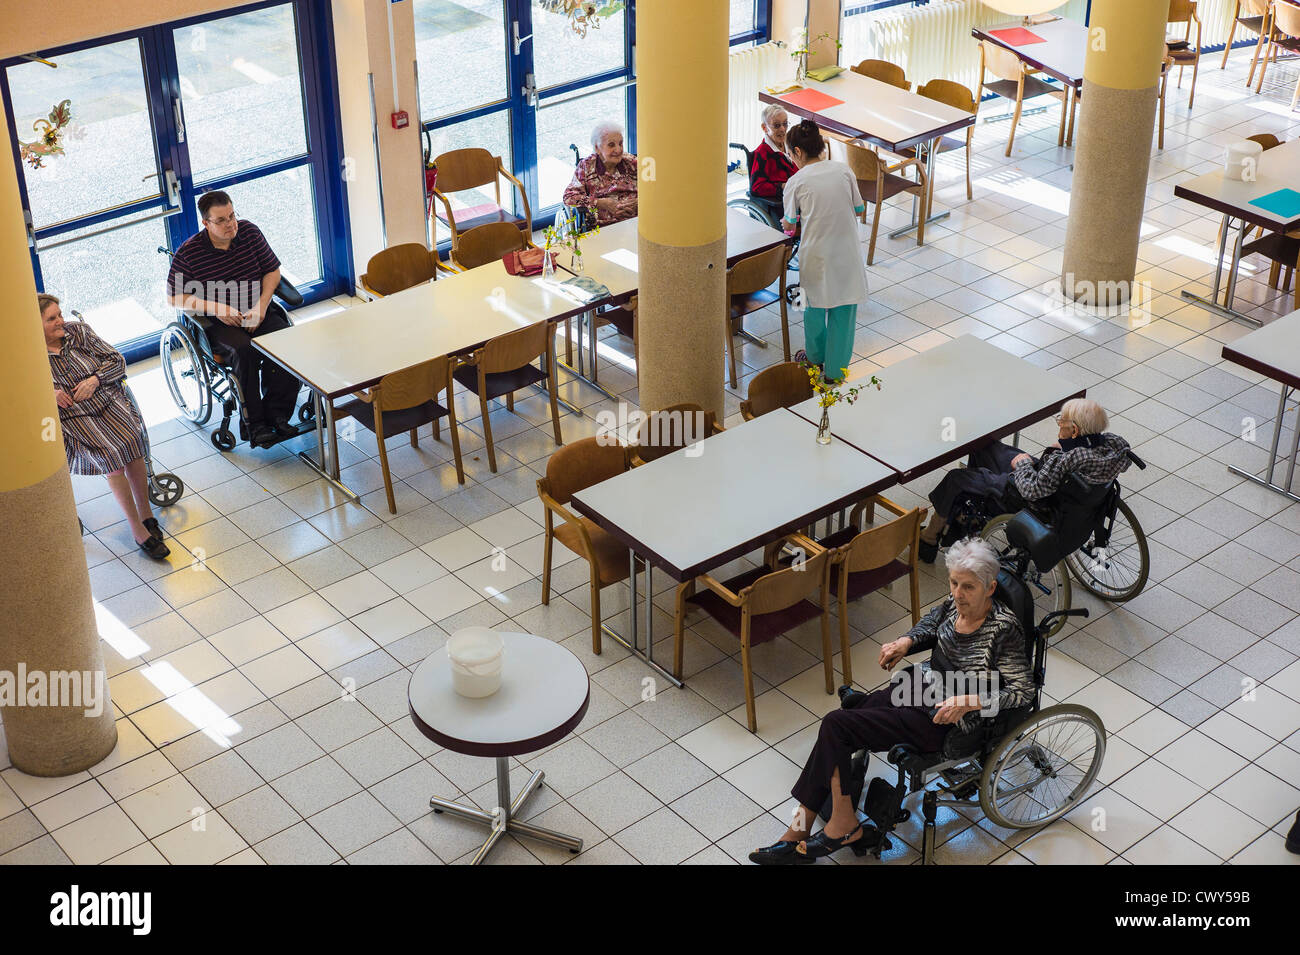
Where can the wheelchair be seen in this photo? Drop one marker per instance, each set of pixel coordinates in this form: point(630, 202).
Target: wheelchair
point(165, 489)
point(1084, 531)
point(766, 211)
point(1025, 768)
point(199, 379)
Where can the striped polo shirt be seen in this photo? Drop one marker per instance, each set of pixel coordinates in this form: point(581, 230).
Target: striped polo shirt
point(230, 276)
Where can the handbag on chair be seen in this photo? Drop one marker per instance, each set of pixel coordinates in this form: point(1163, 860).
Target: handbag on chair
point(526, 261)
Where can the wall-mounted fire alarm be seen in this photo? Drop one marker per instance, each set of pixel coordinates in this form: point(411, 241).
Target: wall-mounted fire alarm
point(401, 120)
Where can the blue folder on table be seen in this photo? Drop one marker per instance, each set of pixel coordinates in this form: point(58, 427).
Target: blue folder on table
point(1285, 203)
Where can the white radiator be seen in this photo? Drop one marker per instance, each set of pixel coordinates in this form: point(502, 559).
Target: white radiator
point(748, 72)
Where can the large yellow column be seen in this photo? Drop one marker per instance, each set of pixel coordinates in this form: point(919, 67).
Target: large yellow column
point(1113, 155)
point(682, 247)
point(47, 617)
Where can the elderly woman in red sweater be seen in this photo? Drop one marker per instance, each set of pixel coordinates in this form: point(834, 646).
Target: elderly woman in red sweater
point(770, 167)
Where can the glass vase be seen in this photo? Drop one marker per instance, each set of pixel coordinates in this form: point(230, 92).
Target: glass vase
point(576, 265)
point(824, 427)
point(801, 69)
point(548, 265)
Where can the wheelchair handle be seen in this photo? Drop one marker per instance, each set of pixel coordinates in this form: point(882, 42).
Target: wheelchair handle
point(1142, 465)
point(1046, 623)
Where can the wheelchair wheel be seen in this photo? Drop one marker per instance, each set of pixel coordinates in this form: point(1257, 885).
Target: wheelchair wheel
point(1050, 588)
point(166, 489)
point(223, 439)
point(186, 373)
point(307, 412)
point(1043, 768)
point(755, 211)
point(1118, 571)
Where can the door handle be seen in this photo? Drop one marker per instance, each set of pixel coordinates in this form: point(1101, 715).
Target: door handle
point(180, 119)
point(516, 38)
point(173, 188)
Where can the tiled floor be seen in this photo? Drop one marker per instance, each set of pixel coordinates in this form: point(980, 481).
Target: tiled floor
point(260, 675)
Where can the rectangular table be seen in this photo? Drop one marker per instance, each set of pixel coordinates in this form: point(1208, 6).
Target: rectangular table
point(1060, 56)
point(1273, 351)
point(882, 115)
point(698, 508)
point(341, 354)
point(1278, 168)
point(943, 403)
point(610, 257)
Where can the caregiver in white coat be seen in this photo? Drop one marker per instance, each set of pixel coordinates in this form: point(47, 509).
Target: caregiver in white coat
point(822, 204)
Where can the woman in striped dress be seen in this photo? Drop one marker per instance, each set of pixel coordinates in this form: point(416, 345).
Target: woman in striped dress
point(102, 434)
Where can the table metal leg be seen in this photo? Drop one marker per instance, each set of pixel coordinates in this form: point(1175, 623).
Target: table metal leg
point(646, 656)
point(1211, 304)
point(556, 363)
point(323, 462)
point(928, 150)
point(587, 318)
point(1267, 480)
point(503, 819)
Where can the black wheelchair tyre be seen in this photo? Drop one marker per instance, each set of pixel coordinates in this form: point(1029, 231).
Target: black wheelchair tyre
point(307, 412)
point(166, 489)
point(1120, 572)
point(754, 210)
point(223, 439)
point(1034, 743)
point(185, 370)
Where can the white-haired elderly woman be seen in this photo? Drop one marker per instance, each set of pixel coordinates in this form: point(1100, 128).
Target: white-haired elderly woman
point(1010, 478)
point(769, 166)
point(974, 641)
point(605, 181)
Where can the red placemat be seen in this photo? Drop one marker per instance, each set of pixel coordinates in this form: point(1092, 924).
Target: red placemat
point(812, 100)
point(1017, 36)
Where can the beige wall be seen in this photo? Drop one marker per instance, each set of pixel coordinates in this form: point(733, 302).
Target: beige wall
point(819, 16)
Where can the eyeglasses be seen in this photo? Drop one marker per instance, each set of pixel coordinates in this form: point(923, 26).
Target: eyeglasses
point(785, 125)
point(224, 221)
point(1061, 420)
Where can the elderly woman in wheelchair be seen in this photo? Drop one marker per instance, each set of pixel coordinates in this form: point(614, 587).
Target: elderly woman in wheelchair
point(983, 639)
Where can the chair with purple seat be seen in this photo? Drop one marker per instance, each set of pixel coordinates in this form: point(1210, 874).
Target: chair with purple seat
point(761, 604)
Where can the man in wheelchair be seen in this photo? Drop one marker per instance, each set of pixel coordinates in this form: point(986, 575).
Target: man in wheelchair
point(973, 639)
point(228, 273)
point(1005, 479)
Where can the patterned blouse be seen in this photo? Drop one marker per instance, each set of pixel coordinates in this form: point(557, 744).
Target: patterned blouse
point(769, 172)
point(591, 181)
point(997, 646)
point(102, 433)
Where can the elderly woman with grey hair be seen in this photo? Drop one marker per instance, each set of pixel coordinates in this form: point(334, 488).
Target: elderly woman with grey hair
point(769, 166)
point(605, 181)
point(975, 641)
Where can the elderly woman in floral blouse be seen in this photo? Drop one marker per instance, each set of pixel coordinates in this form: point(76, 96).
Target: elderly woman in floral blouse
point(102, 432)
point(605, 181)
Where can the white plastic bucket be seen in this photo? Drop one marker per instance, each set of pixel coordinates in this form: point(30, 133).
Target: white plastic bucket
point(476, 655)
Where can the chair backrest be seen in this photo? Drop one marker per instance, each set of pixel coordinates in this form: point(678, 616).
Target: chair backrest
point(779, 386)
point(885, 72)
point(784, 588)
point(669, 429)
point(1286, 18)
point(1001, 62)
point(487, 243)
point(399, 267)
point(414, 386)
point(863, 161)
point(583, 463)
point(516, 349)
point(1013, 593)
point(950, 93)
point(757, 271)
point(877, 546)
point(467, 168)
point(1181, 11)
point(1252, 8)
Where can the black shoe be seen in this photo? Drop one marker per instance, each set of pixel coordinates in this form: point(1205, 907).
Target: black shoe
point(927, 551)
point(285, 428)
point(1292, 837)
point(779, 853)
point(261, 435)
point(154, 548)
point(823, 845)
point(151, 525)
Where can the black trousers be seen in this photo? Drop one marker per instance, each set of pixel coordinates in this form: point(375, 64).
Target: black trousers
point(987, 474)
point(275, 394)
point(875, 724)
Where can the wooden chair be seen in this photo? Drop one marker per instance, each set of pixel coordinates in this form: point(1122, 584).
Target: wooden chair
point(403, 401)
point(1283, 31)
point(760, 605)
point(885, 72)
point(462, 170)
point(670, 429)
point(571, 469)
point(749, 289)
point(1183, 53)
point(878, 181)
point(779, 386)
point(1015, 82)
point(959, 97)
point(487, 243)
point(1165, 69)
point(863, 561)
point(503, 366)
point(399, 267)
point(1250, 15)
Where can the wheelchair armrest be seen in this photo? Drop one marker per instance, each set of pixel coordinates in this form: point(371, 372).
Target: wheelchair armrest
point(286, 293)
point(1142, 465)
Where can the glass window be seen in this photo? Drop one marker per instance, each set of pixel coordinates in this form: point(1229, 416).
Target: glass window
point(572, 122)
point(109, 156)
point(742, 16)
point(561, 56)
point(241, 92)
point(490, 132)
point(283, 206)
point(460, 47)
